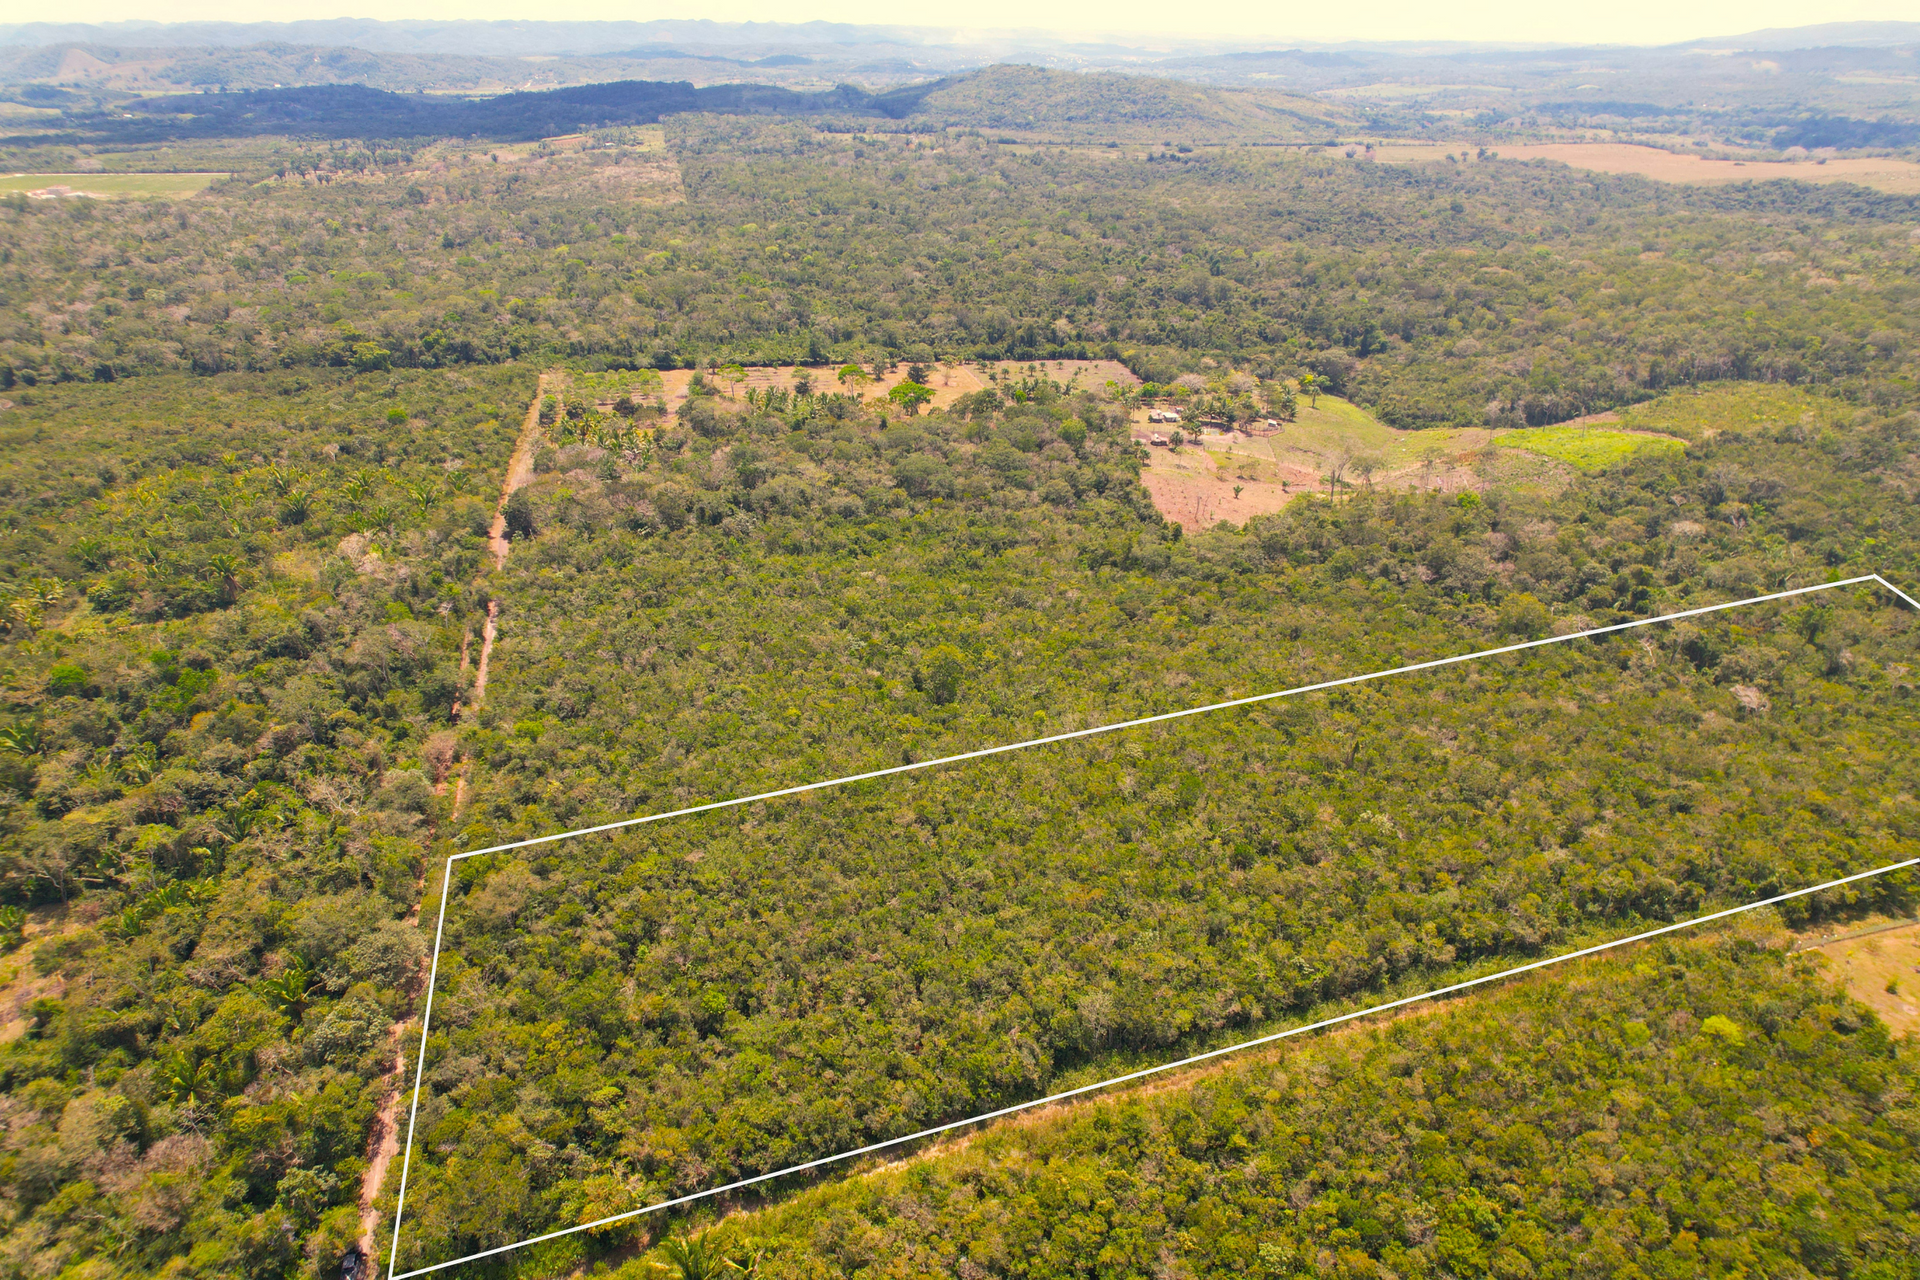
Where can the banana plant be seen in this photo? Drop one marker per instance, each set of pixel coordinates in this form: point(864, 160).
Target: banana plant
point(290, 987)
point(283, 480)
point(188, 1080)
point(139, 767)
point(92, 553)
point(22, 739)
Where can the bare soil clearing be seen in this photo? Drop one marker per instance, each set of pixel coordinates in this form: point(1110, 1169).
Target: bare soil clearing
point(20, 983)
point(1901, 177)
point(947, 382)
point(1881, 970)
point(1194, 485)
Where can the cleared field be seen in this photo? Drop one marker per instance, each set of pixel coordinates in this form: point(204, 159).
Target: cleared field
point(1881, 970)
point(1232, 475)
point(1591, 448)
point(1698, 413)
point(110, 186)
point(948, 381)
point(1901, 177)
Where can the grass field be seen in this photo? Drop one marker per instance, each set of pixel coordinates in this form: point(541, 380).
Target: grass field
point(1587, 447)
point(1696, 413)
point(112, 185)
point(1234, 477)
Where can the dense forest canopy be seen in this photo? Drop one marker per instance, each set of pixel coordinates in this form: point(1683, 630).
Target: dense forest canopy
point(1527, 293)
point(288, 465)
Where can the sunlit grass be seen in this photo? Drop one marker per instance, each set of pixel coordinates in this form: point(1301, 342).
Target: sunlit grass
point(1589, 448)
point(118, 185)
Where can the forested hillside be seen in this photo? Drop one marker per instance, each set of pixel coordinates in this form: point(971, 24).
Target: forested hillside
point(253, 442)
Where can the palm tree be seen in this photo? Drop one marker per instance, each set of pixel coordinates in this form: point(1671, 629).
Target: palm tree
point(290, 988)
point(696, 1257)
point(423, 493)
point(187, 1079)
point(297, 507)
point(21, 739)
point(227, 569)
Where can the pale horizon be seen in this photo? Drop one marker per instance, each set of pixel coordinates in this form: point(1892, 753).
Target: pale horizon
point(1638, 23)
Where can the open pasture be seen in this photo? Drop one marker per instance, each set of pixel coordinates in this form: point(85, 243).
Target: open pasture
point(110, 186)
point(1234, 476)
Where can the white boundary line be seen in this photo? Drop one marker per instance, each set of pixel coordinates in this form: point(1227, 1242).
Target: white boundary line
point(447, 885)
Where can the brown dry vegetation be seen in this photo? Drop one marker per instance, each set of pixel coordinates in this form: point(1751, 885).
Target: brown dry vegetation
point(1901, 177)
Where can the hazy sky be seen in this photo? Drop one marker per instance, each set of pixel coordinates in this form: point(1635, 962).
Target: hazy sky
point(1621, 21)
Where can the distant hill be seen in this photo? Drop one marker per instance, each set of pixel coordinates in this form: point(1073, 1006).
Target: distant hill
point(353, 111)
point(1111, 106)
point(1824, 35)
point(1024, 100)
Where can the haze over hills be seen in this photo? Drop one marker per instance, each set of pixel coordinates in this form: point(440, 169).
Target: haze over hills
point(1838, 85)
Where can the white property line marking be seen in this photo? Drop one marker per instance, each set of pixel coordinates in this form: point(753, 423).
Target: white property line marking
point(446, 887)
point(1170, 1066)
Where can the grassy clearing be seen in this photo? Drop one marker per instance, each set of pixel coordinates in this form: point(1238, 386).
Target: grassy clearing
point(113, 185)
point(1335, 427)
point(1588, 448)
point(1697, 413)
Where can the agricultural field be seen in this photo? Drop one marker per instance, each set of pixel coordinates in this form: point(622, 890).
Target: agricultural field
point(110, 186)
point(1882, 173)
point(409, 497)
point(1590, 446)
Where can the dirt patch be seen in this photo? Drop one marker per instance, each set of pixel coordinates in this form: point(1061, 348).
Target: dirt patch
point(1898, 176)
point(20, 983)
point(948, 382)
point(1195, 484)
point(1200, 487)
point(519, 472)
point(1881, 968)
